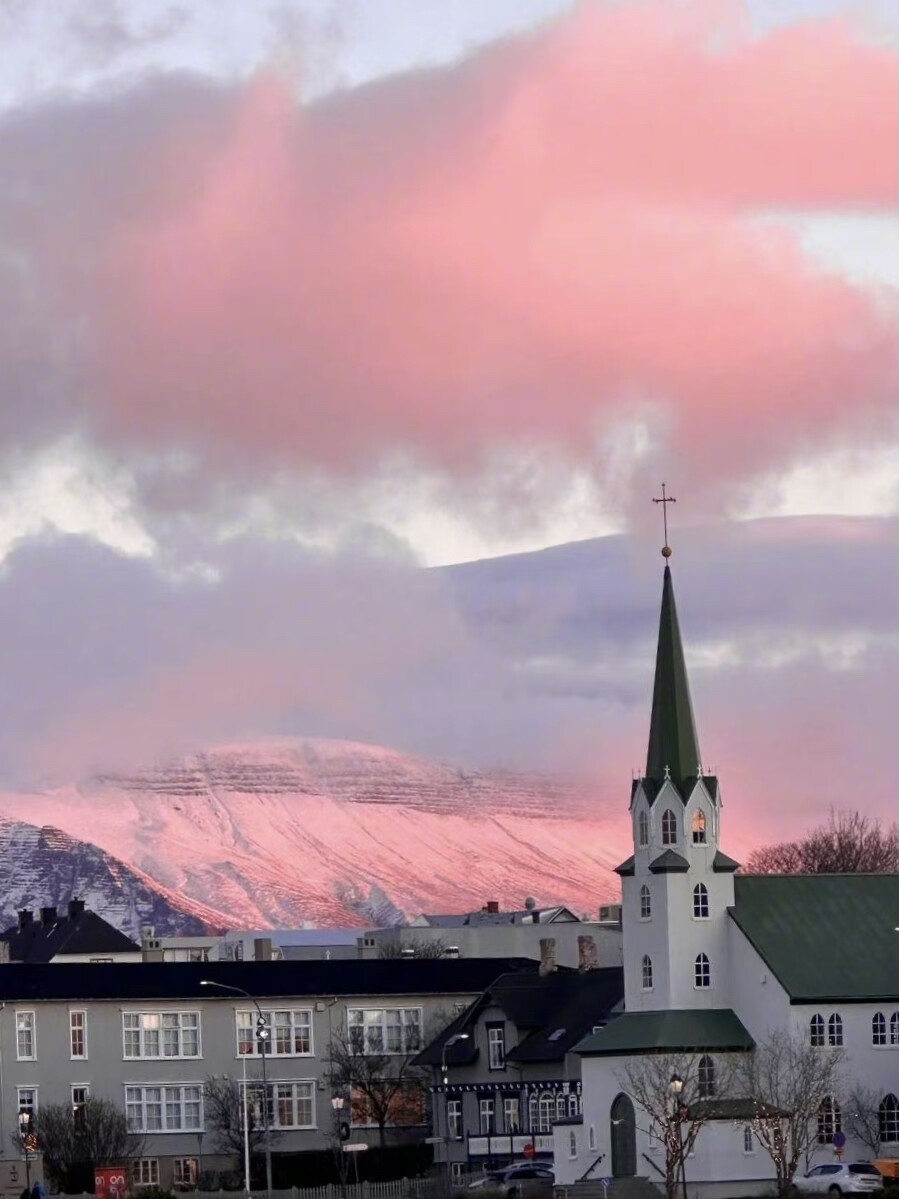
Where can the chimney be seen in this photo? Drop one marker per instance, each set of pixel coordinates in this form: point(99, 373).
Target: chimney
point(492, 907)
point(26, 918)
point(586, 954)
point(4, 952)
point(48, 915)
point(547, 955)
point(76, 907)
point(262, 949)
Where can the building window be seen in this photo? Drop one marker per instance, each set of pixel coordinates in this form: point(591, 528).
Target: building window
point(454, 1119)
point(496, 1046)
point(185, 955)
point(185, 1171)
point(705, 1076)
point(572, 1143)
point(888, 1119)
point(164, 1109)
point(835, 1030)
point(546, 1112)
point(829, 1120)
point(699, 827)
point(289, 1033)
point(26, 1050)
point(145, 1172)
point(816, 1031)
point(561, 1106)
point(894, 1028)
point(511, 1113)
point(486, 1112)
point(161, 1034)
point(574, 1104)
point(80, 1095)
point(457, 1170)
point(642, 829)
point(878, 1029)
point(591, 1138)
point(669, 828)
point(748, 1139)
point(646, 972)
point(700, 902)
point(26, 1100)
point(78, 1034)
point(293, 1104)
point(645, 903)
point(385, 1030)
point(702, 972)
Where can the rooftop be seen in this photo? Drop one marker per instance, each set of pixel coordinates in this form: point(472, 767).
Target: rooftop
point(687, 1031)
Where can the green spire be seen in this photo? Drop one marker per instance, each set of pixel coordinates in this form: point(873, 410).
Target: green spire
point(672, 729)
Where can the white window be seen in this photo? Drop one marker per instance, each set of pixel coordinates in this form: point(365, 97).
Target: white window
point(705, 1076)
point(830, 1121)
point(185, 955)
point(546, 1112)
point(26, 1100)
point(888, 1119)
point(698, 827)
point(702, 972)
point(748, 1139)
point(642, 829)
point(700, 902)
point(646, 972)
point(177, 1108)
point(385, 1030)
point(496, 1047)
point(293, 1104)
point(591, 1138)
point(457, 1171)
point(486, 1110)
point(894, 1028)
point(145, 1172)
point(161, 1034)
point(511, 1113)
point(561, 1106)
point(454, 1119)
point(80, 1096)
point(669, 828)
point(572, 1144)
point(289, 1033)
point(26, 1047)
point(185, 1171)
point(645, 903)
point(78, 1034)
point(574, 1103)
point(878, 1029)
point(816, 1031)
point(835, 1030)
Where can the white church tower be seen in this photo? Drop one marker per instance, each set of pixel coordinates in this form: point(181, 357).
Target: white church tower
point(677, 885)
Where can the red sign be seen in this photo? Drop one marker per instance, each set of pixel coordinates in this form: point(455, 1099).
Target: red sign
point(529, 1150)
point(110, 1182)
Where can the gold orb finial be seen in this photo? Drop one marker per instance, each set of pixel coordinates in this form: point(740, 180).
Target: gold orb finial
point(666, 551)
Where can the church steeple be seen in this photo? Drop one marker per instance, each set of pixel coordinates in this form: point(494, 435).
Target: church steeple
point(673, 746)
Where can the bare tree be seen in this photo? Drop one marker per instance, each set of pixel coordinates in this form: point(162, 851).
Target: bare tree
point(849, 843)
point(677, 1093)
point(412, 947)
point(224, 1107)
point(94, 1133)
point(383, 1088)
point(787, 1081)
point(862, 1111)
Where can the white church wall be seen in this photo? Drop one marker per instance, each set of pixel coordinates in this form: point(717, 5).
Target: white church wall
point(755, 994)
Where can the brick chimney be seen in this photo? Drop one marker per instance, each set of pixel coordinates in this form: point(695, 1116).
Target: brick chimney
point(76, 908)
point(547, 955)
point(492, 907)
point(48, 915)
point(587, 958)
point(26, 918)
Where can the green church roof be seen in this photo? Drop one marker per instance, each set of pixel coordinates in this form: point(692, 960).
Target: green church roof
point(825, 937)
point(673, 746)
point(687, 1030)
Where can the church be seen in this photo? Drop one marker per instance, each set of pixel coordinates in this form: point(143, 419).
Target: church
point(715, 963)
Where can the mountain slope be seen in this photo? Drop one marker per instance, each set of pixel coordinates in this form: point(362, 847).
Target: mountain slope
point(339, 833)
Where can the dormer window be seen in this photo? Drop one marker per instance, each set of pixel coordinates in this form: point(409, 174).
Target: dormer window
point(643, 829)
point(699, 827)
point(669, 828)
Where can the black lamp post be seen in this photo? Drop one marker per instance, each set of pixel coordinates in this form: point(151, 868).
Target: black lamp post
point(676, 1085)
point(444, 1078)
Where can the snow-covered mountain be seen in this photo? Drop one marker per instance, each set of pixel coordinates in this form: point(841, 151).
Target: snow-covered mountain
point(323, 831)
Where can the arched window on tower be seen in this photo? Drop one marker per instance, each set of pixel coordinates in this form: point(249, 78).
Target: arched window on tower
point(888, 1119)
point(830, 1120)
point(705, 1076)
point(702, 972)
point(816, 1031)
point(643, 829)
point(646, 972)
point(700, 902)
point(894, 1028)
point(878, 1029)
point(699, 827)
point(646, 911)
point(669, 828)
point(835, 1030)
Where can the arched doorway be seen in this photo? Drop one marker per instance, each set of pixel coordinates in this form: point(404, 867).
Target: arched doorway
point(624, 1138)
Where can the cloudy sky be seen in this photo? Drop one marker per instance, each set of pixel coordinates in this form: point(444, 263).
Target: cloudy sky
point(300, 298)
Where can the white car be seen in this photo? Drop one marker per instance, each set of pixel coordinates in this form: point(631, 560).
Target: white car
point(838, 1178)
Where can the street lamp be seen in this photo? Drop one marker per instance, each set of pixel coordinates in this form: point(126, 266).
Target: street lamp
point(25, 1135)
point(261, 1037)
point(676, 1085)
point(457, 1036)
point(337, 1102)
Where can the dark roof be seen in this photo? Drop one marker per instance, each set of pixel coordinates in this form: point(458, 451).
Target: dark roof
point(181, 980)
point(673, 745)
point(550, 1011)
point(84, 931)
point(626, 867)
point(669, 862)
point(825, 937)
point(660, 1032)
point(483, 917)
point(722, 864)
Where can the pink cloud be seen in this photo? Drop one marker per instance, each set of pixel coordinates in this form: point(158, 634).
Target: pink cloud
point(516, 247)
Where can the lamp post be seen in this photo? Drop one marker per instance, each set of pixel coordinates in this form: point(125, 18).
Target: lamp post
point(337, 1102)
point(261, 1037)
point(457, 1036)
point(676, 1085)
point(25, 1135)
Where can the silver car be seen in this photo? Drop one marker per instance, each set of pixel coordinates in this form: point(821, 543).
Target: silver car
point(839, 1178)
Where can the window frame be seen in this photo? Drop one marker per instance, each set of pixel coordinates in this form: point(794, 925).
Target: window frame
point(294, 1099)
point(248, 1043)
point(73, 1030)
point(835, 1038)
point(817, 1031)
point(642, 829)
point(511, 1113)
point(748, 1140)
point(487, 1115)
point(879, 1030)
point(829, 1120)
point(646, 973)
point(496, 1045)
point(699, 827)
point(161, 1030)
point(702, 972)
point(645, 902)
point(572, 1144)
point(137, 1179)
point(546, 1112)
point(29, 1016)
point(706, 1077)
point(669, 828)
point(894, 1028)
point(193, 1172)
point(163, 1103)
point(454, 1124)
point(407, 1046)
point(31, 1105)
point(888, 1119)
point(700, 902)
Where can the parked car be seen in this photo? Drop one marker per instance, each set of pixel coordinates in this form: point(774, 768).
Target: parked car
point(838, 1178)
point(521, 1180)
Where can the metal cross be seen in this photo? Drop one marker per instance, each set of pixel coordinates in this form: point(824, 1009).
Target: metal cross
point(665, 501)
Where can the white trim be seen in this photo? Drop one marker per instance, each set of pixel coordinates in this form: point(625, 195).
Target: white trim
point(29, 1057)
point(78, 1057)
